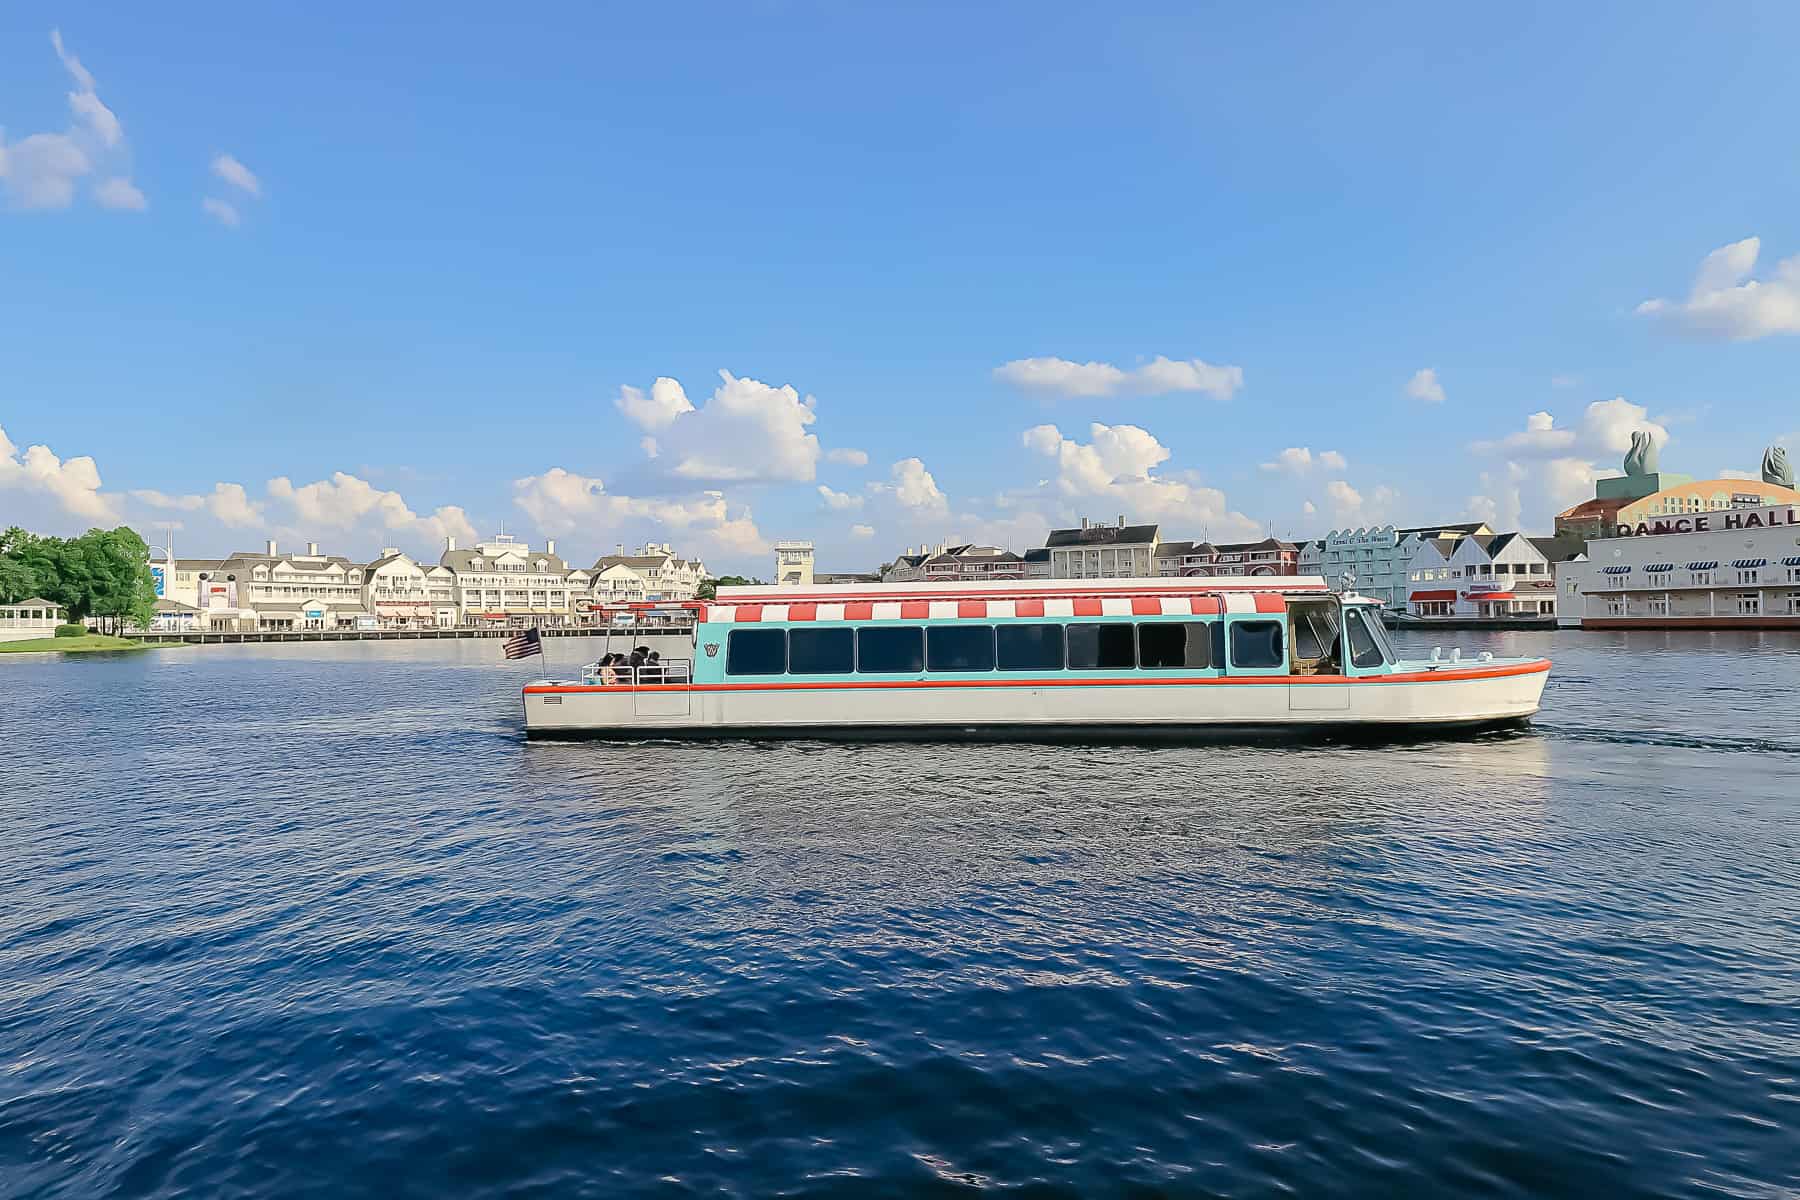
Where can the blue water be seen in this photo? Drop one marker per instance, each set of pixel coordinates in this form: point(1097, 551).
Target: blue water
point(315, 921)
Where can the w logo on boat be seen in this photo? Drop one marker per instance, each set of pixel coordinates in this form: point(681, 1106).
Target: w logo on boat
point(712, 649)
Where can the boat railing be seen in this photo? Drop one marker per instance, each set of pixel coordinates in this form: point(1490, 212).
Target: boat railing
point(677, 672)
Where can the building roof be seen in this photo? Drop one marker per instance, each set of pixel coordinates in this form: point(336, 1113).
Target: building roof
point(1498, 542)
point(1593, 508)
point(174, 606)
point(1041, 554)
point(1444, 546)
point(385, 559)
point(961, 552)
point(1468, 527)
point(1102, 535)
point(459, 560)
point(1561, 548)
point(633, 561)
point(1268, 543)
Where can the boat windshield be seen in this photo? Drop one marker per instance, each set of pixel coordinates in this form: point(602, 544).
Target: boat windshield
point(1368, 640)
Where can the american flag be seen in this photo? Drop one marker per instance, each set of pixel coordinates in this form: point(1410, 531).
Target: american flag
point(525, 645)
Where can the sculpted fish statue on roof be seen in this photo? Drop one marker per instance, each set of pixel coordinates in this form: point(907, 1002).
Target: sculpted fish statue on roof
point(1641, 458)
point(1775, 467)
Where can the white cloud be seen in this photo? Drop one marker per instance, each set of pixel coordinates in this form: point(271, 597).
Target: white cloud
point(839, 500)
point(1117, 469)
point(1298, 460)
point(648, 445)
point(1061, 377)
point(224, 213)
point(42, 171)
point(862, 531)
point(1725, 302)
point(913, 488)
point(120, 193)
point(1606, 428)
point(345, 501)
point(1734, 473)
point(74, 484)
point(848, 457)
point(747, 430)
point(1424, 386)
point(1309, 508)
point(561, 501)
point(236, 174)
point(1352, 507)
point(228, 503)
point(659, 409)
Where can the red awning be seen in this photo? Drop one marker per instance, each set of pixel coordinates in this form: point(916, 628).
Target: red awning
point(1449, 595)
point(1479, 597)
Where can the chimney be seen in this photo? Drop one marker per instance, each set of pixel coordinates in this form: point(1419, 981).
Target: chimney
point(1121, 520)
point(549, 545)
point(1084, 522)
point(619, 549)
point(389, 551)
point(271, 548)
point(312, 549)
point(449, 543)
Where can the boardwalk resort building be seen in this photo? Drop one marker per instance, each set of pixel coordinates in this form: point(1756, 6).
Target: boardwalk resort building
point(1715, 569)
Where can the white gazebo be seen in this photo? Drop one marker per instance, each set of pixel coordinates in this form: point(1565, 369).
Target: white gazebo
point(29, 620)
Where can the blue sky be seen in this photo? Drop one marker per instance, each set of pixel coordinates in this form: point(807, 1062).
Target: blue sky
point(367, 280)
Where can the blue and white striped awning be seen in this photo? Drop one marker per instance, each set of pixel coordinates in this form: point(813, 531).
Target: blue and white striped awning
point(1745, 564)
point(1791, 562)
point(1703, 566)
point(1659, 568)
point(1615, 570)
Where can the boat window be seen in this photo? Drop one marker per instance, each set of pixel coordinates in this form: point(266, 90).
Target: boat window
point(959, 648)
point(756, 652)
point(1097, 647)
point(1163, 645)
point(1257, 644)
point(896, 650)
point(1365, 650)
point(821, 651)
point(1030, 647)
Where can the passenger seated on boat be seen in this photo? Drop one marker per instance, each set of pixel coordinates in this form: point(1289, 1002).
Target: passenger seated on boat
point(609, 670)
point(651, 671)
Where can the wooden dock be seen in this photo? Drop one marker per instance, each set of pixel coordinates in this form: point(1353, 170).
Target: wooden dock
point(624, 635)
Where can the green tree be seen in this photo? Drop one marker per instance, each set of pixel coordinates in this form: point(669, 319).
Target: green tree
point(709, 588)
point(18, 576)
point(110, 568)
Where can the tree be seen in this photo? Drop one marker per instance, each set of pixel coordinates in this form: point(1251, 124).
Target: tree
point(111, 569)
point(709, 588)
point(18, 576)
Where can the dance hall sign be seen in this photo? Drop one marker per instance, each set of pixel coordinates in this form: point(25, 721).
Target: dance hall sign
point(1717, 521)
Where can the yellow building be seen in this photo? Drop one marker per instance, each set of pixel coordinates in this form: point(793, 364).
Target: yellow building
point(1707, 495)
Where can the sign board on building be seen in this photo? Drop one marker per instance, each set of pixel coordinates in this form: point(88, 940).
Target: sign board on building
point(1713, 522)
point(159, 580)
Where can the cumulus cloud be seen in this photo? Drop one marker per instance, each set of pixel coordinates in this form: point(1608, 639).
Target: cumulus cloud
point(1424, 386)
point(1298, 460)
point(1160, 376)
point(345, 501)
point(839, 500)
point(848, 457)
point(862, 531)
point(236, 174)
point(562, 501)
point(225, 214)
point(1352, 507)
point(747, 431)
point(1117, 468)
point(1725, 302)
point(44, 170)
point(913, 488)
point(657, 410)
point(72, 484)
point(228, 503)
point(1550, 467)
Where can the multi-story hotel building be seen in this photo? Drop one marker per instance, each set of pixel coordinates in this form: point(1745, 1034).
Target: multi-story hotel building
point(504, 581)
point(1717, 569)
point(1376, 561)
point(948, 563)
point(267, 591)
point(1103, 551)
point(403, 593)
point(655, 573)
point(1483, 576)
point(1271, 556)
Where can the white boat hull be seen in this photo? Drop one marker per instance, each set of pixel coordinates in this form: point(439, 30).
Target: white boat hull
point(1445, 696)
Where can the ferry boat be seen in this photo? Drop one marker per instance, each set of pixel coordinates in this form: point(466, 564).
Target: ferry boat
point(1117, 657)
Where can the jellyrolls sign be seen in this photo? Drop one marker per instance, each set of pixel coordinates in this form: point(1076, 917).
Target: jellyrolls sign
point(159, 580)
point(1725, 521)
